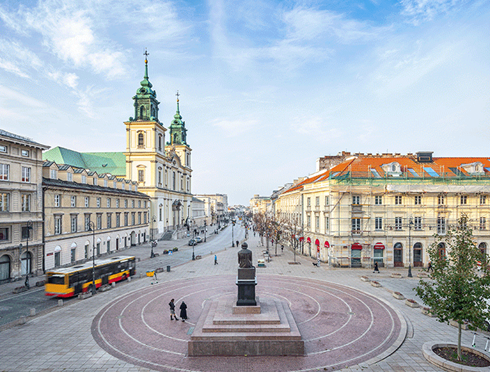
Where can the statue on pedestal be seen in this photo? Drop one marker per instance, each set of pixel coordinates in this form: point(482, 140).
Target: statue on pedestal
point(246, 280)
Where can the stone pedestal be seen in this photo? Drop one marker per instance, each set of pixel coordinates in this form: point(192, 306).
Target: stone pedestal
point(246, 282)
point(268, 328)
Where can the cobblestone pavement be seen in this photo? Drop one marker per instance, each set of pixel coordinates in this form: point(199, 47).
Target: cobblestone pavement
point(62, 340)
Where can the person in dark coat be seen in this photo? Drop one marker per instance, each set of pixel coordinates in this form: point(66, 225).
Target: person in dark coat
point(183, 311)
point(376, 269)
point(171, 304)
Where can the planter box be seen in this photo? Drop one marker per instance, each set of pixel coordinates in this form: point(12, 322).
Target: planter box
point(365, 279)
point(396, 275)
point(455, 324)
point(411, 304)
point(375, 284)
point(426, 311)
point(398, 296)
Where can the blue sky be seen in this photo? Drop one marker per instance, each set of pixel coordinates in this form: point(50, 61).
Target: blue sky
point(266, 87)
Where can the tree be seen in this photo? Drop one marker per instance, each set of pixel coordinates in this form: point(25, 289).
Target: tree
point(460, 287)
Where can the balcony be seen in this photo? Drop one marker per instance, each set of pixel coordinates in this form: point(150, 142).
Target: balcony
point(356, 232)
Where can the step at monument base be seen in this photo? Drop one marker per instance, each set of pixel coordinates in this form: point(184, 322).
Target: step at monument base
point(270, 331)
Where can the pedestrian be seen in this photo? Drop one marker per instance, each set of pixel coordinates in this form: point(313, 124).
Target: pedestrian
point(215, 259)
point(171, 304)
point(183, 311)
point(376, 268)
point(282, 248)
point(237, 243)
point(429, 267)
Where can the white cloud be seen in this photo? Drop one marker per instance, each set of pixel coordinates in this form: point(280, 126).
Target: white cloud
point(18, 59)
point(315, 127)
point(426, 10)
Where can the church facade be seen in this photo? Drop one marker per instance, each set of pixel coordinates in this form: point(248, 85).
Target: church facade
point(157, 158)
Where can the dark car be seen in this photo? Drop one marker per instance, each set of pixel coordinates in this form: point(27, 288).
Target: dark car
point(192, 242)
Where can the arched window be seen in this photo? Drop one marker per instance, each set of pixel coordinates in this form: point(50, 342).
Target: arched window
point(4, 267)
point(141, 140)
point(152, 111)
point(398, 255)
point(159, 142)
point(25, 259)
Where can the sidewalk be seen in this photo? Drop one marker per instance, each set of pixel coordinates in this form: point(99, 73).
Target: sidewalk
point(141, 252)
point(69, 344)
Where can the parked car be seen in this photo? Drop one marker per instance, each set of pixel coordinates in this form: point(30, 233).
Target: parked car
point(192, 242)
point(198, 239)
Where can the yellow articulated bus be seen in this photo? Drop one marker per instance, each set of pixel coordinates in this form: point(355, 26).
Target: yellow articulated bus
point(70, 281)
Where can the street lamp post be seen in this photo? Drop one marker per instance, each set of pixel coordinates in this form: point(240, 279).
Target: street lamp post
point(205, 230)
point(28, 262)
point(232, 233)
point(410, 223)
point(91, 227)
point(152, 243)
point(193, 245)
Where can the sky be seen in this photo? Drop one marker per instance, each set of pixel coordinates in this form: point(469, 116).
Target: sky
point(266, 87)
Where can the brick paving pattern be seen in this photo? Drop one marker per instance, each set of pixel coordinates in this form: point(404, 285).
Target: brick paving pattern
point(62, 340)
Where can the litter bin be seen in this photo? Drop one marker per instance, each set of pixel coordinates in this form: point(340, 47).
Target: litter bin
point(150, 273)
point(168, 268)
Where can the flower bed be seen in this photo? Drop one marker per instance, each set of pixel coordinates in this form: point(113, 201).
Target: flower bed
point(398, 296)
point(426, 311)
point(411, 303)
point(374, 283)
point(365, 278)
point(396, 275)
point(442, 355)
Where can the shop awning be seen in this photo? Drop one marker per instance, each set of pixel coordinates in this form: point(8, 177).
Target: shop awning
point(308, 240)
point(379, 246)
point(356, 246)
point(317, 242)
point(301, 239)
point(327, 245)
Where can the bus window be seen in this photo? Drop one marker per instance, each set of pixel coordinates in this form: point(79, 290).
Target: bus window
point(56, 279)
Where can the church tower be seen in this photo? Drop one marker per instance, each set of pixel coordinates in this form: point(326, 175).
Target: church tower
point(163, 172)
point(178, 138)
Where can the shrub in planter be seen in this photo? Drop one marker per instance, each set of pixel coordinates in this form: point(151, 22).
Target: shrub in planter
point(374, 283)
point(365, 278)
point(175, 249)
point(165, 251)
point(398, 296)
point(411, 303)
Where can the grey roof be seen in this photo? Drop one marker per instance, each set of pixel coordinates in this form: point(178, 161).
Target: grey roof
point(21, 138)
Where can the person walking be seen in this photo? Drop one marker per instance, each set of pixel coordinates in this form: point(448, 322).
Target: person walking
point(429, 267)
point(282, 248)
point(376, 268)
point(215, 259)
point(183, 311)
point(237, 243)
point(171, 304)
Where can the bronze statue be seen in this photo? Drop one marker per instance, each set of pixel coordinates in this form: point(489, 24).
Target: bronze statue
point(245, 256)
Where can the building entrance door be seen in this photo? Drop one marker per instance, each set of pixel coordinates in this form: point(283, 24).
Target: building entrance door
point(398, 255)
point(417, 255)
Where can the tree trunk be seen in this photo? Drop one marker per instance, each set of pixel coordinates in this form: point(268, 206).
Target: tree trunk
point(459, 341)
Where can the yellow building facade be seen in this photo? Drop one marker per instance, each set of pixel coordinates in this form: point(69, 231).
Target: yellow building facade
point(387, 208)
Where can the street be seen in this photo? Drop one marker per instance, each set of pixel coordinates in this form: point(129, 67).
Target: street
point(14, 306)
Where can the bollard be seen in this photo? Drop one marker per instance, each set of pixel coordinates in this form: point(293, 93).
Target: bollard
point(33, 311)
point(129, 278)
point(168, 268)
point(486, 345)
point(113, 284)
point(60, 302)
point(22, 320)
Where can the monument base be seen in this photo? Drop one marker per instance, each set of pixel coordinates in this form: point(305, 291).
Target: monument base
point(246, 282)
point(227, 330)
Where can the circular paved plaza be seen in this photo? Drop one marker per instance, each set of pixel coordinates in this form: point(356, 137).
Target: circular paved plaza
point(341, 326)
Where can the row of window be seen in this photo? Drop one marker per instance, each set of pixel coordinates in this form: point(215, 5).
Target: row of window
point(53, 174)
point(378, 200)
point(5, 202)
point(5, 149)
point(5, 173)
point(416, 224)
point(58, 221)
point(141, 178)
point(73, 202)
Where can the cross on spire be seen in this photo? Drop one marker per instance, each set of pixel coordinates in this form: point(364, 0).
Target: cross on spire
point(177, 94)
point(146, 54)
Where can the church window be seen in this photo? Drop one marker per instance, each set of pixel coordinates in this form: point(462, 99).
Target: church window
point(173, 181)
point(159, 142)
point(141, 175)
point(153, 111)
point(141, 140)
point(159, 176)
